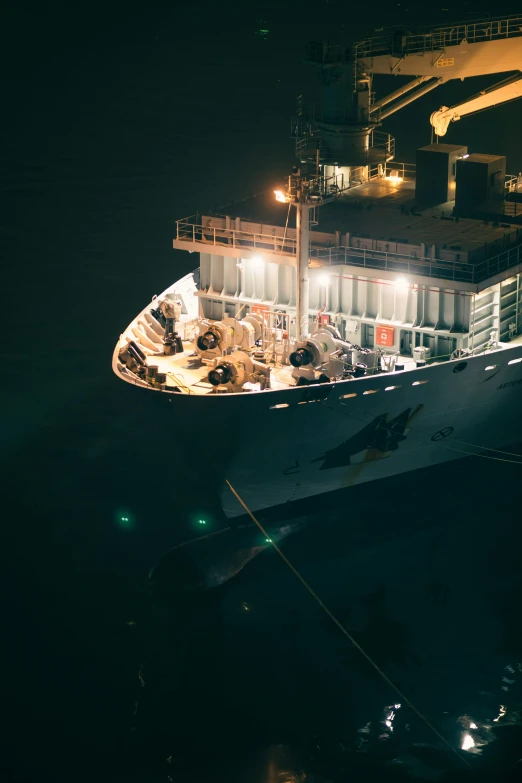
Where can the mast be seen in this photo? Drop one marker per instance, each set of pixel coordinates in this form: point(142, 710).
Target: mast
point(306, 193)
point(302, 260)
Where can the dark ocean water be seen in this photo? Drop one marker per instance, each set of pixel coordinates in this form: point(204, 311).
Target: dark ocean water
point(119, 121)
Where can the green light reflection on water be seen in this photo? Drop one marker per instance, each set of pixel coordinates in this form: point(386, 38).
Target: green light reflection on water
point(124, 520)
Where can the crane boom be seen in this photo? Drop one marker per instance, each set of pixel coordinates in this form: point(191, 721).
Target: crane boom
point(499, 93)
point(459, 61)
point(443, 54)
point(345, 134)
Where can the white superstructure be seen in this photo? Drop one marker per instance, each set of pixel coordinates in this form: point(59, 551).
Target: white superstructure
point(347, 331)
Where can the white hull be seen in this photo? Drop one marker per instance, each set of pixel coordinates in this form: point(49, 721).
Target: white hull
point(288, 444)
point(398, 274)
point(318, 447)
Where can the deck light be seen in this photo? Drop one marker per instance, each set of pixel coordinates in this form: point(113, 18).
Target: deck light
point(467, 742)
point(394, 178)
point(280, 196)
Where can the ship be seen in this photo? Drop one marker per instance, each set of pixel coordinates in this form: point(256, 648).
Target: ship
point(363, 318)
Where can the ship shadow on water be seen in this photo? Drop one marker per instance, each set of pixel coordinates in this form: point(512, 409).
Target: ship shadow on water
point(246, 643)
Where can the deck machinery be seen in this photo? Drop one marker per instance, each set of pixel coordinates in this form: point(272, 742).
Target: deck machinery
point(363, 300)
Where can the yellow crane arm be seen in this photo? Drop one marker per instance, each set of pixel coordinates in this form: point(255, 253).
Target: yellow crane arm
point(506, 90)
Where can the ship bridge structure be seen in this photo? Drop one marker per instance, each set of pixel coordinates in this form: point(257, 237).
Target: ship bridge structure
point(433, 281)
point(396, 256)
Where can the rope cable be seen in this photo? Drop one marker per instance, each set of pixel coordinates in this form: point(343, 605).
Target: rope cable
point(325, 608)
point(436, 443)
point(341, 627)
point(286, 225)
point(474, 454)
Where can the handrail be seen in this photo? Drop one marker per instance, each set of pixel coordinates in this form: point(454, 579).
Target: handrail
point(381, 140)
point(401, 42)
point(370, 258)
point(428, 267)
point(380, 171)
point(395, 262)
point(215, 235)
point(308, 134)
point(513, 183)
point(439, 37)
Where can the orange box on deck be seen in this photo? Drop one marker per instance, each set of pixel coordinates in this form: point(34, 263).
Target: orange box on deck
point(385, 336)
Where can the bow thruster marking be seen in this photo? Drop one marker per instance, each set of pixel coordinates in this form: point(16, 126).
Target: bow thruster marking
point(442, 434)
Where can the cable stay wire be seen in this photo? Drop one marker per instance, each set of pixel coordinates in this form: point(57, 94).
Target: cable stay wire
point(436, 443)
point(474, 454)
point(473, 445)
point(342, 628)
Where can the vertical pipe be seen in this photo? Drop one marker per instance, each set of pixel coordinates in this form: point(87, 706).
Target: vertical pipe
point(517, 304)
point(473, 326)
point(302, 260)
point(498, 299)
point(298, 304)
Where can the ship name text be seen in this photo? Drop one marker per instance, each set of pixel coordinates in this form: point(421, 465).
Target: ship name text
point(509, 383)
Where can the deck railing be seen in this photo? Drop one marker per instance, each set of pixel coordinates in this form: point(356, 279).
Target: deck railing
point(428, 267)
point(381, 145)
point(231, 237)
point(392, 169)
point(401, 43)
point(513, 183)
point(370, 258)
point(473, 32)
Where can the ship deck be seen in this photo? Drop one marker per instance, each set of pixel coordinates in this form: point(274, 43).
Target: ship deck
point(381, 209)
point(374, 224)
point(385, 210)
point(187, 374)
